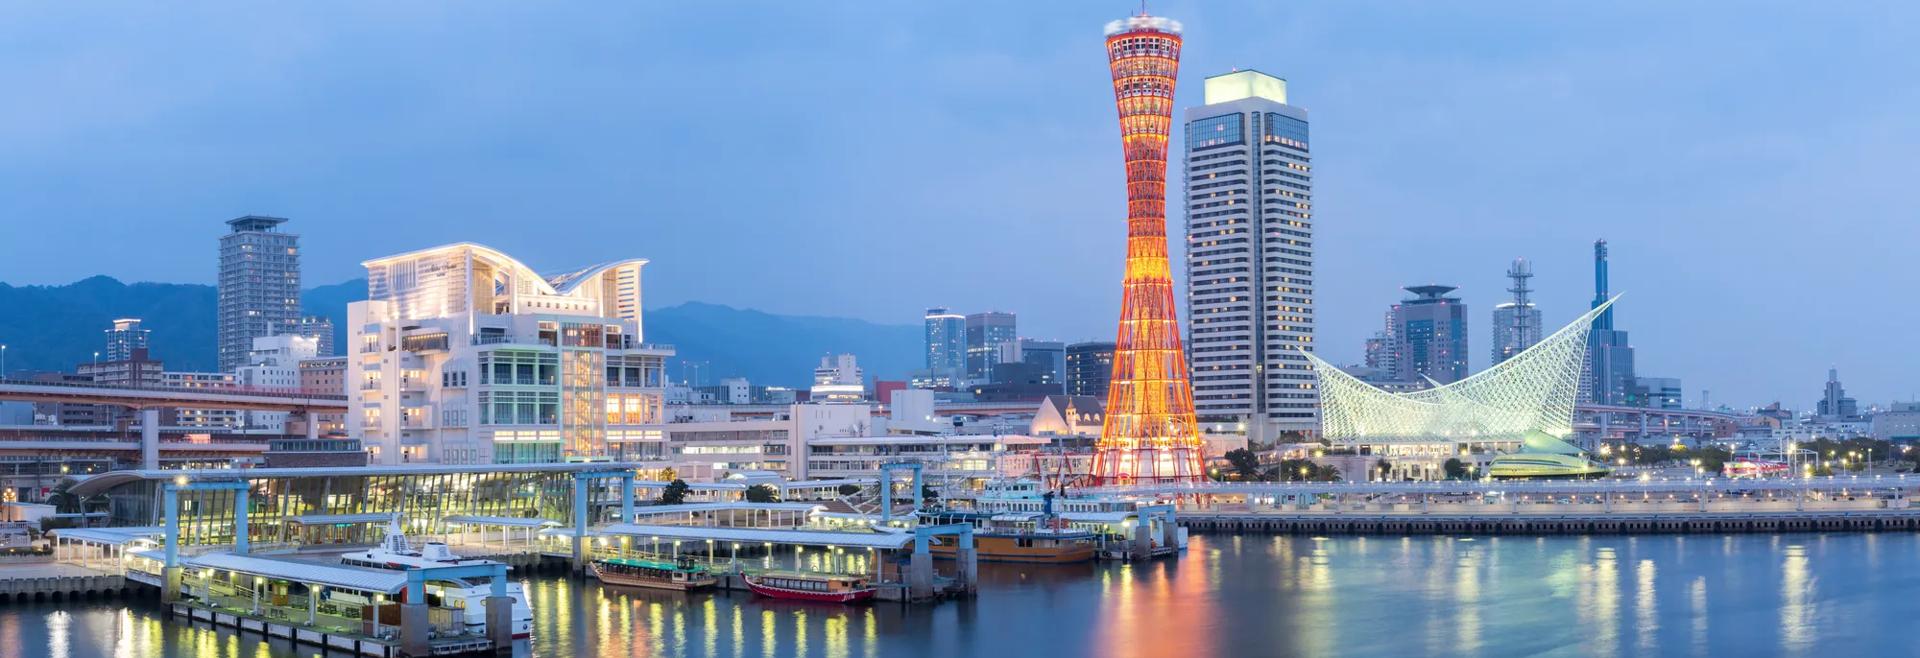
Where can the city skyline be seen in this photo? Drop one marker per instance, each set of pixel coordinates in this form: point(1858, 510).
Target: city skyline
point(1525, 105)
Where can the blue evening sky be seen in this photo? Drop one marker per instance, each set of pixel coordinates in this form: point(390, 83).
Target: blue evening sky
point(1750, 163)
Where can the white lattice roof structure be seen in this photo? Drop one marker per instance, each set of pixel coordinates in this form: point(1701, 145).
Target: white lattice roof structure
point(1533, 391)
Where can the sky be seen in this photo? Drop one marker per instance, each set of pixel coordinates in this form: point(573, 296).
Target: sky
point(1749, 163)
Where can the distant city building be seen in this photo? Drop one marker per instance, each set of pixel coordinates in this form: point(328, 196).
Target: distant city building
point(1049, 355)
point(1430, 336)
point(464, 355)
point(125, 337)
point(989, 336)
point(1834, 403)
point(1609, 377)
point(327, 375)
point(946, 345)
point(1089, 369)
point(839, 379)
point(1656, 393)
point(1249, 201)
point(259, 287)
point(202, 418)
point(320, 330)
point(1516, 324)
point(273, 365)
point(135, 370)
point(1899, 423)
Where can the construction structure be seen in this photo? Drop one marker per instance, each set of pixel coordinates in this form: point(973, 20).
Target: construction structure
point(1150, 435)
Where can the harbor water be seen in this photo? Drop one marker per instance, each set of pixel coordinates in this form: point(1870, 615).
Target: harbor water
point(1228, 596)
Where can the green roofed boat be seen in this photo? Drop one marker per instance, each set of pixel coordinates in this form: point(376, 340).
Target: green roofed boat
point(682, 575)
point(1543, 457)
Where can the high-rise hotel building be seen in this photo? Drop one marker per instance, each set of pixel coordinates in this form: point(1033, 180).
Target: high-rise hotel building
point(464, 355)
point(1249, 196)
point(259, 286)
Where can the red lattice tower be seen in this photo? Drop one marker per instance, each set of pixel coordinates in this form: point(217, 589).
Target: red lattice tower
point(1150, 435)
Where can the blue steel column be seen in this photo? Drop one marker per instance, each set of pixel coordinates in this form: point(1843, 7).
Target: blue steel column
point(626, 497)
point(579, 519)
point(170, 501)
point(240, 519)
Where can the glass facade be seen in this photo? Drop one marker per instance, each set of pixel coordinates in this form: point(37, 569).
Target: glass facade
point(422, 500)
point(1216, 131)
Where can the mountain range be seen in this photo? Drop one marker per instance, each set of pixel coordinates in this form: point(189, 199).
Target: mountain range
point(59, 327)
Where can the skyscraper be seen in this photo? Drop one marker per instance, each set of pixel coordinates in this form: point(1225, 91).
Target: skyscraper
point(1089, 368)
point(946, 335)
point(1431, 336)
point(1249, 197)
point(125, 337)
point(1049, 355)
point(1150, 434)
point(320, 329)
point(259, 285)
point(1609, 372)
point(1834, 403)
point(1516, 324)
point(990, 336)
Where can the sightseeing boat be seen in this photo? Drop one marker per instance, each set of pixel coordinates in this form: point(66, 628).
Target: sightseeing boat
point(1013, 537)
point(468, 594)
point(654, 574)
point(809, 587)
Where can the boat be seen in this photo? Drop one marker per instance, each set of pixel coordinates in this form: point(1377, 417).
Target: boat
point(1015, 537)
point(396, 553)
point(810, 587)
point(681, 575)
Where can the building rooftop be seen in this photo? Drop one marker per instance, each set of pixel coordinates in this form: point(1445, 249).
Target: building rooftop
point(1228, 87)
point(255, 223)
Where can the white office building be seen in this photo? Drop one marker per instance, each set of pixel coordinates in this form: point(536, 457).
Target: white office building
point(1249, 195)
point(464, 355)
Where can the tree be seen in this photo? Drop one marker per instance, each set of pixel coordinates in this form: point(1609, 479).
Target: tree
point(674, 493)
point(1246, 464)
point(1454, 468)
point(927, 494)
point(762, 493)
point(849, 489)
point(1383, 467)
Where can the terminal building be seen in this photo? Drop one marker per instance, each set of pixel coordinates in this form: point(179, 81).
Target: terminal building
point(463, 355)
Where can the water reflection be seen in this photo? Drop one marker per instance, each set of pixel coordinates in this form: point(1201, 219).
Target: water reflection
point(1230, 596)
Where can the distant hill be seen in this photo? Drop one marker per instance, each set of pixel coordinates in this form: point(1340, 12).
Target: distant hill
point(59, 327)
point(778, 349)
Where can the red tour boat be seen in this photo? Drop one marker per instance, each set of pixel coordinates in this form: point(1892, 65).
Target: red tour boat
point(796, 587)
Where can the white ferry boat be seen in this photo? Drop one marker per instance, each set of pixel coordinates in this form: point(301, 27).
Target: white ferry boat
point(470, 594)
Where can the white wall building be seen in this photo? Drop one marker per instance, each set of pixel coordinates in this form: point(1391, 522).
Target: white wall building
point(464, 355)
point(273, 364)
point(839, 379)
point(1249, 198)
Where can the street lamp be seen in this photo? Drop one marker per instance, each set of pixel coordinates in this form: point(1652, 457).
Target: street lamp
point(3, 361)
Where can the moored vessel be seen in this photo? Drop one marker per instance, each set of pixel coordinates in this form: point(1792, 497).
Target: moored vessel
point(809, 587)
point(681, 575)
point(396, 553)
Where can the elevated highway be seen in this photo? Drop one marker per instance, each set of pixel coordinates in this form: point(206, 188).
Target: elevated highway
point(150, 400)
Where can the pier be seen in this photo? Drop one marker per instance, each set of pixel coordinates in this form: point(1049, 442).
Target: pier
point(1643, 505)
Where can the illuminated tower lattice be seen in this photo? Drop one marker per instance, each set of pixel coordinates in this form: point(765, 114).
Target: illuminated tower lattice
point(1150, 434)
